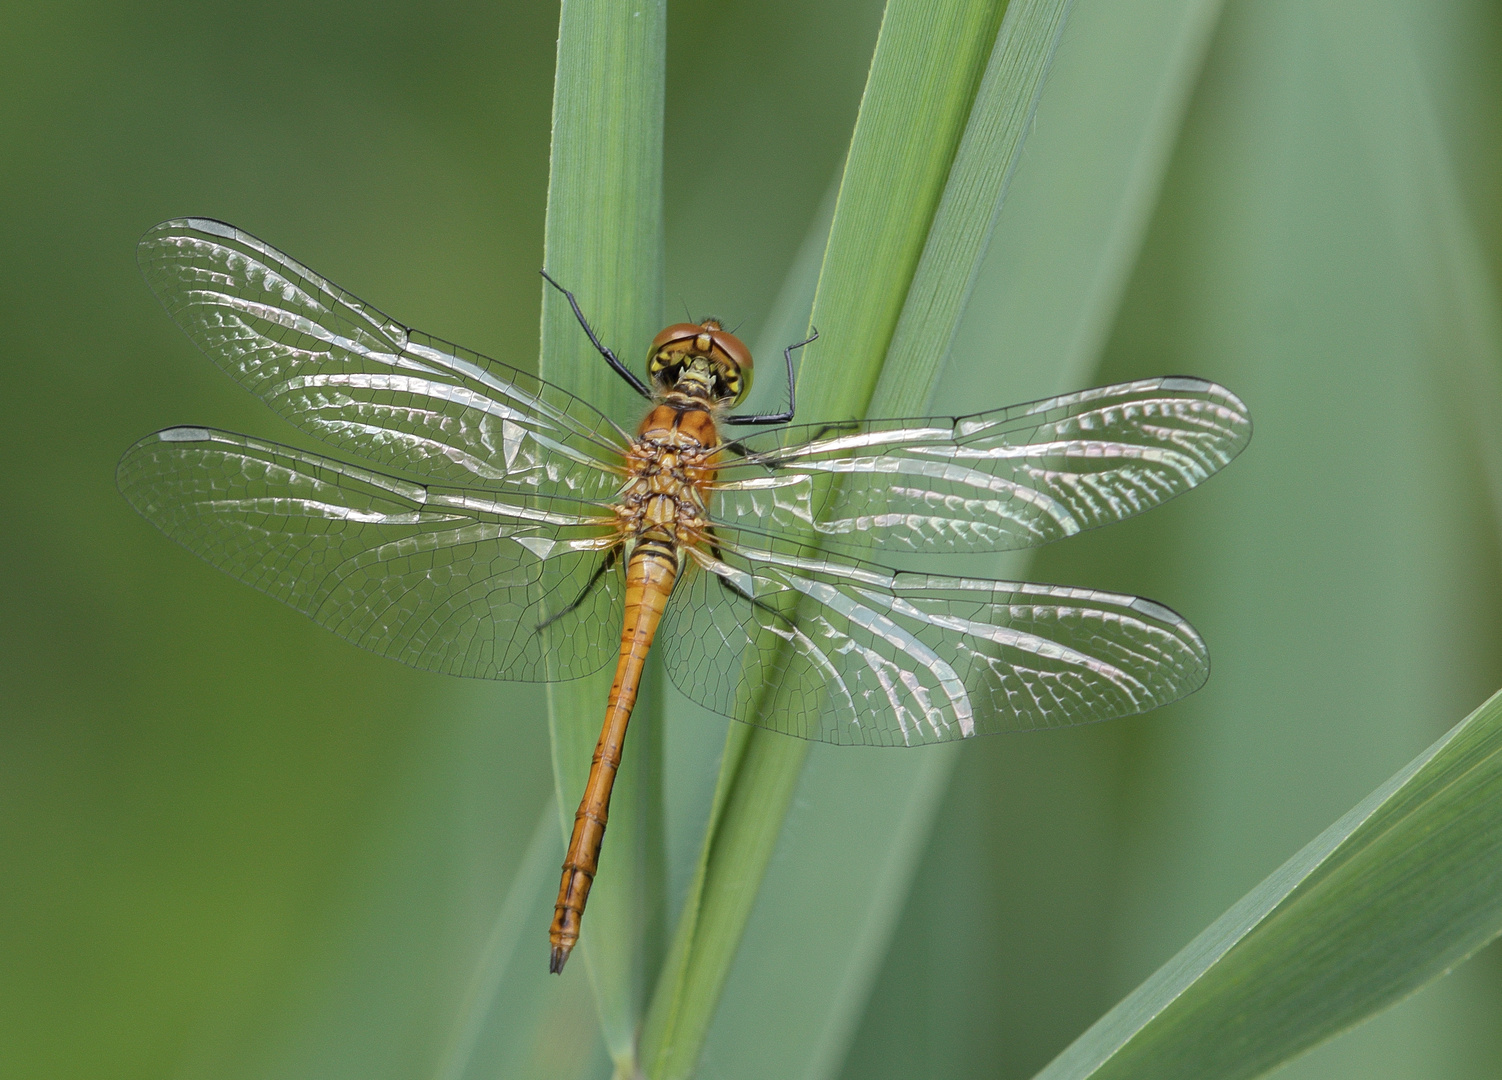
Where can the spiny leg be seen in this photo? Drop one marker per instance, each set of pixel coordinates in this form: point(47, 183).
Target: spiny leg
point(780, 417)
point(610, 358)
point(738, 448)
point(600, 571)
point(736, 590)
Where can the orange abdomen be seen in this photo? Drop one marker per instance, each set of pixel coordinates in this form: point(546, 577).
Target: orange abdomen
point(649, 582)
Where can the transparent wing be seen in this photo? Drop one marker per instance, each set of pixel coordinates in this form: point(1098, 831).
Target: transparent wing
point(352, 377)
point(1012, 478)
point(787, 638)
point(445, 579)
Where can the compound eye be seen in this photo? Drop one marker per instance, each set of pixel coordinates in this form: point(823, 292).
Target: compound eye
point(733, 365)
point(730, 379)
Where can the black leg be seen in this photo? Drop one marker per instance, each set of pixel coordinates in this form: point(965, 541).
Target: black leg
point(782, 417)
point(772, 463)
point(837, 425)
point(736, 590)
point(600, 571)
point(736, 448)
point(610, 358)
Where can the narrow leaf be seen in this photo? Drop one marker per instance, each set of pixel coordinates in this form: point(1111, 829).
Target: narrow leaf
point(1052, 281)
point(919, 97)
point(1078, 210)
point(978, 181)
point(1390, 897)
point(604, 242)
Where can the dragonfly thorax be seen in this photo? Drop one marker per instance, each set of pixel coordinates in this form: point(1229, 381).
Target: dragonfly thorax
point(665, 495)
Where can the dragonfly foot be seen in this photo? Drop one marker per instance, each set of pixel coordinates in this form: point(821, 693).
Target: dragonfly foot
point(557, 960)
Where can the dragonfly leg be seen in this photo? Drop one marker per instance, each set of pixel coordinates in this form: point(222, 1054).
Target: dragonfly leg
point(771, 464)
point(780, 417)
point(610, 358)
point(589, 586)
point(737, 448)
point(736, 590)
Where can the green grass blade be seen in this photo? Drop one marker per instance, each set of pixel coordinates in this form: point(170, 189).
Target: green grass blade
point(1064, 244)
point(928, 65)
point(604, 242)
point(1390, 897)
point(844, 864)
point(1077, 212)
point(924, 75)
point(1410, 219)
point(988, 155)
point(1088, 184)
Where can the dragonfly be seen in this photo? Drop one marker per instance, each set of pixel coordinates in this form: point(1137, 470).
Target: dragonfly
point(494, 525)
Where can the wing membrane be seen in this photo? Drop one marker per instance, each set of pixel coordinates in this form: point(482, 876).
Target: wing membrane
point(352, 377)
point(446, 579)
point(994, 481)
point(861, 654)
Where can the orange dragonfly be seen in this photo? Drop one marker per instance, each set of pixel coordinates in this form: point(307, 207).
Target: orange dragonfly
point(521, 534)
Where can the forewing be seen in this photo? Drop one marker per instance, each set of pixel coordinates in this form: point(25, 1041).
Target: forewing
point(1012, 478)
point(357, 379)
point(444, 579)
point(793, 640)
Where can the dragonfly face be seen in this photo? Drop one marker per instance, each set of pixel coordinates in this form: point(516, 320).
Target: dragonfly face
point(498, 526)
point(701, 359)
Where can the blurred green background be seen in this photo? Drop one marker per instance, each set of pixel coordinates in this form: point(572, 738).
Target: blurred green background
point(235, 846)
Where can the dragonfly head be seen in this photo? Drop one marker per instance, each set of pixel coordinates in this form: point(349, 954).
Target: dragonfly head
point(703, 360)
